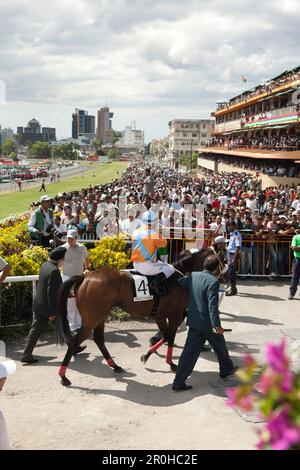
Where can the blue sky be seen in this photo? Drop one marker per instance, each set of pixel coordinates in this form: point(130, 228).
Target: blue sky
point(150, 61)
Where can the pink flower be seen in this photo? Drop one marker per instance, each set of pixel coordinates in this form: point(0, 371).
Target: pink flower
point(276, 357)
point(282, 432)
point(266, 382)
point(287, 382)
point(249, 360)
point(236, 398)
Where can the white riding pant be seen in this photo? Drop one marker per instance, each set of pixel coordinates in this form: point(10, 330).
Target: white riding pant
point(151, 269)
point(74, 317)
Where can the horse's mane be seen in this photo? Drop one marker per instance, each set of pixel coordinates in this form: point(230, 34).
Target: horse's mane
point(185, 262)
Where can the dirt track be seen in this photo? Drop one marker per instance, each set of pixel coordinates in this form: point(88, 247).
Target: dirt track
point(137, 409)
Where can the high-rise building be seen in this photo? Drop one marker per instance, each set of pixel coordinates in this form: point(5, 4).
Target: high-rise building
point(49, 134)
point(82, 123)
point(34, 133)
point(7, 134)
point(104, 126)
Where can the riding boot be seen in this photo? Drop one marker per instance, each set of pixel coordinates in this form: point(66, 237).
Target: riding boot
point(158, 284)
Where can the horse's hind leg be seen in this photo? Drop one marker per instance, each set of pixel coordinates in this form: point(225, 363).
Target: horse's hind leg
point(99, 340)
point(82, 334)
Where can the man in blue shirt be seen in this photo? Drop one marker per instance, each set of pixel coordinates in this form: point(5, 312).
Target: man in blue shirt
point(204, 323)
point(233, 253)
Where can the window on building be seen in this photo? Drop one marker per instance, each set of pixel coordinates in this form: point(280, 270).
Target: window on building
point(194, 134)
point(203, 135)
point(184, 134)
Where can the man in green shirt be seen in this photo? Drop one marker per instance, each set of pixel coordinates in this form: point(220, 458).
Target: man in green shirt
point(296, 266)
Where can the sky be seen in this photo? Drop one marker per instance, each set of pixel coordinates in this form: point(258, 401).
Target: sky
point(150, 61)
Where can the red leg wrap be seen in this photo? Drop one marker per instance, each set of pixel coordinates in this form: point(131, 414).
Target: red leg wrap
point(169, 354)
point(62, 371)
point(156, 346)
point(110, 362)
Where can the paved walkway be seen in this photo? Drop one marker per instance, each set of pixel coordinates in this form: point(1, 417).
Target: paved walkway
point(137, 409)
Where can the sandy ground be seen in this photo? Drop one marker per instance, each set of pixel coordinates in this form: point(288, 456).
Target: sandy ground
point(137, 409)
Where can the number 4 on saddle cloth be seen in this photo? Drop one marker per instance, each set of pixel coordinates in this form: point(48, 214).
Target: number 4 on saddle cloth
point(147, 287)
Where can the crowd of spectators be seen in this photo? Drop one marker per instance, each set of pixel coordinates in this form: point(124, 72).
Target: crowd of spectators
point(283, 143)
point(265, 215)
point(257, 165)
point(267, 87)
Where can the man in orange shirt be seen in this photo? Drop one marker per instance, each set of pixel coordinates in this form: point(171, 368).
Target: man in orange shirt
point(146, 241)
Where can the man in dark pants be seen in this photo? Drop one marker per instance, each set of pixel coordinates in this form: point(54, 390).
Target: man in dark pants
point(233, 253)
point(204, 322)
point(45, 302)
point(296, 265)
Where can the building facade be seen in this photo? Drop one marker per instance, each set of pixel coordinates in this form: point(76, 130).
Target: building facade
point(7, 134)
point(82, 123)
point(132, 138)
point(159, 148)
point(259, 130)
point(187, 135)
point(104, 126)
point(264, 116)
point(35, 133)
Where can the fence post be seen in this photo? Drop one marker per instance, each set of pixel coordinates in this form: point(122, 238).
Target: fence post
point(33, 289)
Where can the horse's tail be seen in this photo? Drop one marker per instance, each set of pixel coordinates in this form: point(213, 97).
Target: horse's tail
point(63, 332)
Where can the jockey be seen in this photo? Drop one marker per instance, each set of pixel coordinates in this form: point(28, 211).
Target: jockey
point(146, 241)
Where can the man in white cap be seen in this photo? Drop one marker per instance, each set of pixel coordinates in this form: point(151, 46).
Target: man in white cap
point(41, 222)
point(7, 367)
point(76, 263)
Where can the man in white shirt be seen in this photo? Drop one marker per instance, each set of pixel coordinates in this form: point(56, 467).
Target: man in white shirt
point(129, 225)
point(41, 222)
point(75, 263)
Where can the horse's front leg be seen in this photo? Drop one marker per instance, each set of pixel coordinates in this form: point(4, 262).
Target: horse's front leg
point(99, 340)
point(160, 340)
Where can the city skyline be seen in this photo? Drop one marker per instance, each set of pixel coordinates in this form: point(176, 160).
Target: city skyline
point(149, 62)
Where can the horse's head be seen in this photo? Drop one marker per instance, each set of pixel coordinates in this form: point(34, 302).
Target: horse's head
point(190, 260)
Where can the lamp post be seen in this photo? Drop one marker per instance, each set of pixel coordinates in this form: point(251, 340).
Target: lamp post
point(191, 155)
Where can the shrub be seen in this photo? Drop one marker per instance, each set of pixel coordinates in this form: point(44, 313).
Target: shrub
point(14, 239)
point(109, 253)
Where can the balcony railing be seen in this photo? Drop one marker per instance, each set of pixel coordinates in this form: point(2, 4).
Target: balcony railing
point(286, 114)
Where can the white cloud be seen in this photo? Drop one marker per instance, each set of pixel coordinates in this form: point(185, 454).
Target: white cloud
point(150, 61)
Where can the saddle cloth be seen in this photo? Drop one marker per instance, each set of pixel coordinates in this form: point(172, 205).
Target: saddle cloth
point(147, 287)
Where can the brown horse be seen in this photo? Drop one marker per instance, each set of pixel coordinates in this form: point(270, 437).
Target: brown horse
point(99, 291)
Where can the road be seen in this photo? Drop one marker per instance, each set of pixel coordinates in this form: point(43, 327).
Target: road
point(137, 409)
point(66, 172)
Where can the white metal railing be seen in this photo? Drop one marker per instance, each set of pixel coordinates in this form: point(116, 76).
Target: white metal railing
point(32, 278)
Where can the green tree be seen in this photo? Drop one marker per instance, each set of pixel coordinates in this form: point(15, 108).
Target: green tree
point(41, 150)
point(113, 153)
point(189, 161)
point(65, 152)
point(8, 147)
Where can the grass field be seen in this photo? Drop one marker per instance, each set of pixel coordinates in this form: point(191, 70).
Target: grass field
point(18, 202)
